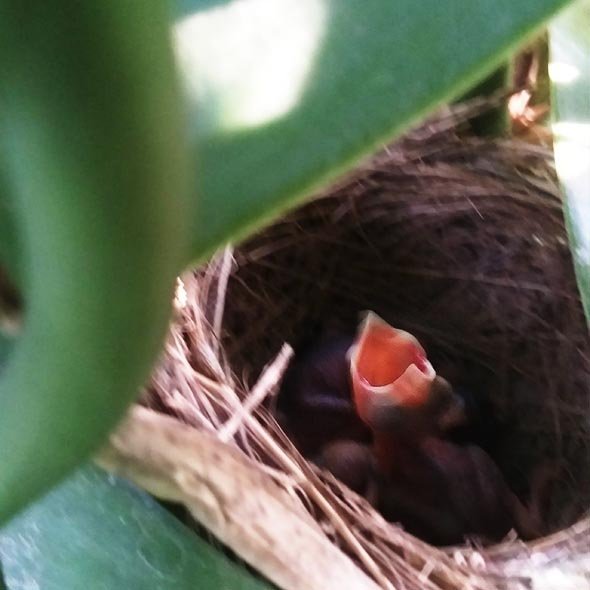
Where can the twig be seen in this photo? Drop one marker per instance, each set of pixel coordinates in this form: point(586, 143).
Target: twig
point(267, 383)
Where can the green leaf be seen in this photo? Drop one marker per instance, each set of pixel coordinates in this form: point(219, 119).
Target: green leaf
point(97, 531)
point(292, 92)
point(569, 70)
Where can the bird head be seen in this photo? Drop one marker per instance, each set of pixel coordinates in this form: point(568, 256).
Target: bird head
point(395, 388)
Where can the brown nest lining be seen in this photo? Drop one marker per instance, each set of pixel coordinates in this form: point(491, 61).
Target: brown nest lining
point(460, 241)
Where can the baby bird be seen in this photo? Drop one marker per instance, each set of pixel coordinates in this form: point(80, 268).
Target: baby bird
point(443, 493)
point(353, 464)
point(317, 406)
point(371, 410)
point(394, 385)
point(439, 491)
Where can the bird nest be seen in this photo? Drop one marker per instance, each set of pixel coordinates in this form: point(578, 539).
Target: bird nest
point(458, 240)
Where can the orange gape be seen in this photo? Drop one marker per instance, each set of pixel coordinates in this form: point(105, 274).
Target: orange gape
point(388, 362)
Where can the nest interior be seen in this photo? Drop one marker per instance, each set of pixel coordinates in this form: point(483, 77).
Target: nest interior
point(458, 240)
point(461, 242)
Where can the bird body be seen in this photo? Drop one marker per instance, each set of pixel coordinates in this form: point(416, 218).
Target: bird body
point(443, 492)
point(315, 404)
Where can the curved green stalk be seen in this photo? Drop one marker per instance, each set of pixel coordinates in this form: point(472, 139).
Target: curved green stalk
point(93, 157)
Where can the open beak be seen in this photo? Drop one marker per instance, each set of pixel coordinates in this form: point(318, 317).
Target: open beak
point(388, 362)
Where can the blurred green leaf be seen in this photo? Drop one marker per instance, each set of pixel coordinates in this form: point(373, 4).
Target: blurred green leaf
point(98, 532)
point(569, 70)
point(292, 92)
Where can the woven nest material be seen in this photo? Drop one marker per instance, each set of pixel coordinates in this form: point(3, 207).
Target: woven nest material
point(460, 241)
